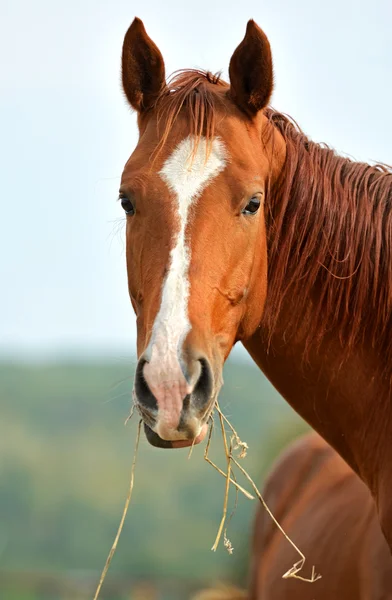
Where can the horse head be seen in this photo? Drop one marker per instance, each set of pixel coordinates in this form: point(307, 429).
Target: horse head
point(193, 192)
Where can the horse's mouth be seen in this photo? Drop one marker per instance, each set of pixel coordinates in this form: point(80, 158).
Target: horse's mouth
point(158, 442)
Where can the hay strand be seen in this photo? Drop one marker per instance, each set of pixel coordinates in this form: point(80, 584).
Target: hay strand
point(210, 462)
point(226, 498)
point(120, 527)
point(237, 444)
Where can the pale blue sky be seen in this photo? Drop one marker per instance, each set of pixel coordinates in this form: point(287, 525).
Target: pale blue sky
point(66, 133)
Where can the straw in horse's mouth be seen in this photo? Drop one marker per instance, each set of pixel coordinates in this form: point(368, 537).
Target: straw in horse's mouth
point(234, 444)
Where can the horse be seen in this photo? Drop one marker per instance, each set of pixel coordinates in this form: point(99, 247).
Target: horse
point(239, 228)
point(329, 512)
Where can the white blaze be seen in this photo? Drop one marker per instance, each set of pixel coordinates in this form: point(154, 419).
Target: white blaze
point(186, 174)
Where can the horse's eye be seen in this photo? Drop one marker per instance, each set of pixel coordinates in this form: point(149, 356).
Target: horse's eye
point(127, 205)
point(252, 207)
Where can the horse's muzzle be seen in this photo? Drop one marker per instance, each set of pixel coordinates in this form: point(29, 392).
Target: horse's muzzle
point(172, 418)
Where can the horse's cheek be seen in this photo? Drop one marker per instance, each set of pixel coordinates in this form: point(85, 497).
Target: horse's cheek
point(255, 299)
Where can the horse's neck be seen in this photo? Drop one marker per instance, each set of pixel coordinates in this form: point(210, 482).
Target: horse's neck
point(338, 387)
point(343, 401)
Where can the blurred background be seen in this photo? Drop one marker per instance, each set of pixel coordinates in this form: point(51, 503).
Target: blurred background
point(67, 331)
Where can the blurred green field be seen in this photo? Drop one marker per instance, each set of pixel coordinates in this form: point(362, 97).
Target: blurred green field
point(64, 474)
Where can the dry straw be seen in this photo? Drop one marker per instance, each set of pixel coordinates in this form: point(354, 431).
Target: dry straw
point(233, 445)
point(241, 448)
point(128, 500)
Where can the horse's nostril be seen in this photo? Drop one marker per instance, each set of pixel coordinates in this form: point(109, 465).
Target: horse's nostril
point(143, 392)
point(202, 391)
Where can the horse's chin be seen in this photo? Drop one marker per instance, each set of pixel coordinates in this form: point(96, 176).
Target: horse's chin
point(154, 439)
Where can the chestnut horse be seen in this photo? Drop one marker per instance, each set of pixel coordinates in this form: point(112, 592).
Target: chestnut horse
point(240, 228)
point(329, 512)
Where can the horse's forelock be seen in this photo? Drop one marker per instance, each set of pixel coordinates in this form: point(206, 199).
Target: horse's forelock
point(195, 95)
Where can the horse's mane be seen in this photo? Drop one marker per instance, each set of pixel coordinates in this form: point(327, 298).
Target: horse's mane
point(329, 222)
point(330, 243)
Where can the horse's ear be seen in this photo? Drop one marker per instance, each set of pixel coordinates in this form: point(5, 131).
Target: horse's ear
point(143, 69)
point(251, 73)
